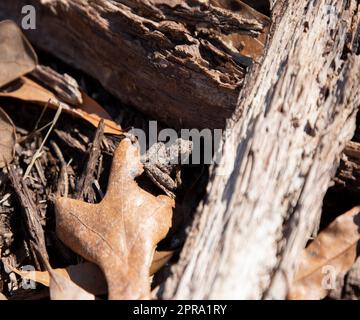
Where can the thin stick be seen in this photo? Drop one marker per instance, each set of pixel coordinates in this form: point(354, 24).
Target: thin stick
point(63, 180)
point(41, 115)
point(84, 187)
point(38, 151)
point(29, 136)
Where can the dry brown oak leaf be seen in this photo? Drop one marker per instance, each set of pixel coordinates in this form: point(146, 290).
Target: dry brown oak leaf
point(121, 232)
point(327, 258)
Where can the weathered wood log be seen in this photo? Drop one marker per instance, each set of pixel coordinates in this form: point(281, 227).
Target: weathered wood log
point(295, 115)
point(181, 61)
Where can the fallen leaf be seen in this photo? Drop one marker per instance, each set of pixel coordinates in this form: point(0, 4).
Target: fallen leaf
point(27, 90)
point(87, 275)
point(7, 139)
point(78, 282)
point(327, 257)
point(121, 232)
point(62, 288)
point(17, 57)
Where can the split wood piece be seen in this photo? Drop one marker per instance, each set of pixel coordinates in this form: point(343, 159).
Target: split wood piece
point(348, 175)
point(295, 115)
point(85, 186)
point(70, 141)
point(170, 59)
point(32, 218)
point(121, 232)
point(65, 87)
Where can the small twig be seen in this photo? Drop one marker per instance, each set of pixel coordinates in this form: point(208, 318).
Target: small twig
point(87, 177)
point(40, 172)
point(31, 135)
point(39, 150)
point(72, 142)
point(41, 116)
point(99, 169)
point(98, 188)
point(63, 179)
point(5, 197)
point(35, 130)
point(35, 254)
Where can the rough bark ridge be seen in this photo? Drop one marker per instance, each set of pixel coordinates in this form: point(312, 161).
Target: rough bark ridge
point(181, 61)
point(282, 148)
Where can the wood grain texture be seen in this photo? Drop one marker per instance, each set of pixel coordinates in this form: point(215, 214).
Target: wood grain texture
point(282, 148)
point(174, 60)
point(348, 175)
point(66, 87)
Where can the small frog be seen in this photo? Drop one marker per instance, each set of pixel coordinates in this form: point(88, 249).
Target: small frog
point(162, 162)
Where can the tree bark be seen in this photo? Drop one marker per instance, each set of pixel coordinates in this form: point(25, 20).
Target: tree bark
point(295, 114)
point(180, 61)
